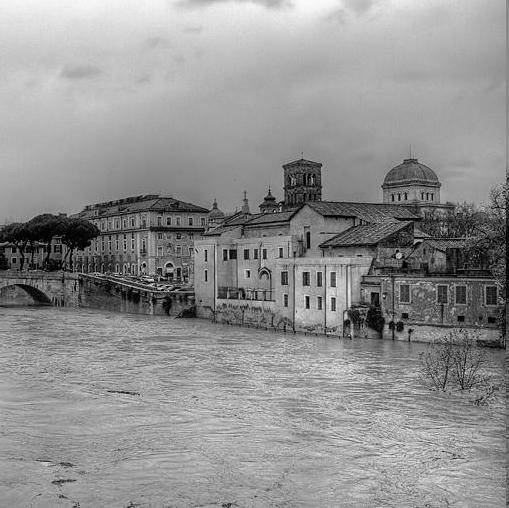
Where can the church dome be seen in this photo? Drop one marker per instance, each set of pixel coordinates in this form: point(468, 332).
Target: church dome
point(411, 171)
point(215, 213)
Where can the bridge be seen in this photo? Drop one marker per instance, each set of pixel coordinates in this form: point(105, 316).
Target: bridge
point(39, 288)
point(67, 289)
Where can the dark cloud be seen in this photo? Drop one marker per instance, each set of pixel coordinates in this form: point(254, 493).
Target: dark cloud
point(193, 30)
point(157, 42)
point(270, 4)
point(80, 72)
point(356, 7)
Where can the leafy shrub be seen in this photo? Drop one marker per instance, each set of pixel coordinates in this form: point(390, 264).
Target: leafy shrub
point(375, 320)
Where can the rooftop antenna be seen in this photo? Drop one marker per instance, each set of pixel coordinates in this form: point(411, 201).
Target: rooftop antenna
point(411, 150)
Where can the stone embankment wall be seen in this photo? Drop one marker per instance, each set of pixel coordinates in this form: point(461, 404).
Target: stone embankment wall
point(431, 333)
point(98, 295)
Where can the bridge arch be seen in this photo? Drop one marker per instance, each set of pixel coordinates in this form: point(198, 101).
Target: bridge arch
point(38, 296)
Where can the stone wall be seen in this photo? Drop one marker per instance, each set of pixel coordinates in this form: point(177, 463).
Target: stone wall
point(431, 333)
point(97, 295)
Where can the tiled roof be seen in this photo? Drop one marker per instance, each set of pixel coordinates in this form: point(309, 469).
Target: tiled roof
point(152, 203)
point(268, 218)
point(369, 212)
point(449, 243)
point(365, 234)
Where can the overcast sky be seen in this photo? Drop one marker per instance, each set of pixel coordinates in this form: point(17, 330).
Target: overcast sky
point(205, 98)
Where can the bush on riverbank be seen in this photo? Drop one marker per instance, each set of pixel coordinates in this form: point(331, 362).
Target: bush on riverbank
point(457, 363)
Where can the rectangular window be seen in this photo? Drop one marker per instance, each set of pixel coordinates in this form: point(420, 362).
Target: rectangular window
point(285, 300)
point(305, 278)
point(179, 250)
point(206, 275)
point(255, 253)
point(404, 293)
point(333, 279)
point(319, 281)
point(233, 254)
point(159, 236)
point(442, 294)
point(461, 319)
point(225, 254)
point(306, 298)
point(264, 253)
point(333, 304)
point(124, 223)
point(319, 302)
point(461, 295)
point(177, 221)
point(125, 244)
point(168, 221)
point(206, 255)
point(190, 221)
point(178, 236)
point(247, 274)
point(281, 252)
point(284, 278)
point(491, 295)
point(13, 261)
point(159, 251)
point(202, 221)
point(246, 253)
point(117, 224)
point(13, 250)
point(190, 252)
point(132, 242)
point(133, 222)
point(404, 315)
point(116, 244)
point(492, 320)
point(143, 245)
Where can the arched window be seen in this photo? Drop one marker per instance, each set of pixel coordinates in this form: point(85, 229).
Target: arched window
point(427, 196)
point(431, 196)
point(392, 197)
point(399, 196)
point(406, 196)
point(422, 196)
point(308, 239)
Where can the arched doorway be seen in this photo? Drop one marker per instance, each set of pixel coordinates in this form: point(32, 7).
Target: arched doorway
point(144, 268)
point(264, 291)
point(169, 270)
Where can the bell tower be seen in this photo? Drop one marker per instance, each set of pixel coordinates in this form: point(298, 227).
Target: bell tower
point(302, 182)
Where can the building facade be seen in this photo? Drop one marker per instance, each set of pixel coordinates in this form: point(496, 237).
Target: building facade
point(148, 234)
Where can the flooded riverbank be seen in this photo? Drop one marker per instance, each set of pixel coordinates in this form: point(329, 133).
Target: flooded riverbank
point(106, 409)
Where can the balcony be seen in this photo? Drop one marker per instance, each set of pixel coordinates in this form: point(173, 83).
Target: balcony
point(256, 294)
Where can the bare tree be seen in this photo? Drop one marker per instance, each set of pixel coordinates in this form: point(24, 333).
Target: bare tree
point(454, 361)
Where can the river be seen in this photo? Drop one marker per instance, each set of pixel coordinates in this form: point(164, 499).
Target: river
point(219, 416)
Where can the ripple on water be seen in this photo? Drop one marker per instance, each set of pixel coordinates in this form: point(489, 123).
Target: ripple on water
point(111, 410)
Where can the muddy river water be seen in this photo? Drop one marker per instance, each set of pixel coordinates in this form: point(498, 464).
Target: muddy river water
point(115, 410)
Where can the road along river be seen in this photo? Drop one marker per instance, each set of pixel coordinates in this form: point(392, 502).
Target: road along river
point(102, 409)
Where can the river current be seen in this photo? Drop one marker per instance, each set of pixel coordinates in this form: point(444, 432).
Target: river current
point(115, 410)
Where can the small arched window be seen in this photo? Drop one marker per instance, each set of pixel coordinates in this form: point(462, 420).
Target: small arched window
point(427, 196)
point(422, 196)
point(392, 197)
point(399, 196)
point(406, 196)
point(432, 196)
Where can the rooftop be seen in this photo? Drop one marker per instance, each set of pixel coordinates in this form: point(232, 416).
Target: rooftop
point(365, 234)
